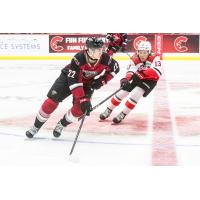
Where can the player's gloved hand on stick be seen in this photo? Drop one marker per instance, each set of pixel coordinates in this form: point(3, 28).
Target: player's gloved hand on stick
point(86, 106)
point(124, 45)
point(125, 84)
point(110, 37)
point(98, 83)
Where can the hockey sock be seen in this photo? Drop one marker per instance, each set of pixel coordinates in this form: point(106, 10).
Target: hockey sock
point(45, 111)
point(69, 118)
point(64, 121)
point(130, 104)
point(116, 100)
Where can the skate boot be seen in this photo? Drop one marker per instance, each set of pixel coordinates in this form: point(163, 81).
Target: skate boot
point(119, 118)
point(30, 133)
point(105, 114)
point(58, 129)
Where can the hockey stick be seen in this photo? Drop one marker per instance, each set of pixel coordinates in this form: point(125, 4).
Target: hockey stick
point(78, 132)
point(82, 118)
point(95, 107)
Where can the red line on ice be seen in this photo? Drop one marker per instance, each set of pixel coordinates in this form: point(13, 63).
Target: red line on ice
point(163, 147)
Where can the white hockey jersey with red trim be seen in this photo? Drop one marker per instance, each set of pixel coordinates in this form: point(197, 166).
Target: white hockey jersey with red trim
point(151, 69)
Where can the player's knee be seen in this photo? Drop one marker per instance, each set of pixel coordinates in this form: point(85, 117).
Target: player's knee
point(49, 106)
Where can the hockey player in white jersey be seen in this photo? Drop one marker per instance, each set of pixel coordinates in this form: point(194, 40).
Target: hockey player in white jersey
point(141, 78)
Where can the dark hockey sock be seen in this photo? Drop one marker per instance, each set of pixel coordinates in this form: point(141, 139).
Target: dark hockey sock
point(37, 123)
point(64, 122)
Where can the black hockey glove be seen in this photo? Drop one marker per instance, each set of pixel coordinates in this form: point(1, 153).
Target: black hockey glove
point(125, 84)
point(98, 83)
point(86, 106)
point(110, 37)
point(124, 45)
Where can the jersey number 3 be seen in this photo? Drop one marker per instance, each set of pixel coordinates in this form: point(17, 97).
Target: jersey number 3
point(157, 63)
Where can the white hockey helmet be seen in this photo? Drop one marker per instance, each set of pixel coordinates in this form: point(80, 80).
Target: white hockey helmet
point(144, 45)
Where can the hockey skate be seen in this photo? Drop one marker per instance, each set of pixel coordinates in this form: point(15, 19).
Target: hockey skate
point(30, 133)
point(105, 114)
point(119, 118)
point(58, 129)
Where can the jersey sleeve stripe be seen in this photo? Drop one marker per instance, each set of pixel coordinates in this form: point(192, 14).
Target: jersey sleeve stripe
point(112, 74)
point(158, 71)
point(72, 87)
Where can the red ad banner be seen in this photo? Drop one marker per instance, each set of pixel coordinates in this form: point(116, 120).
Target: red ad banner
point(72, 43)
point(173, 43)
point(158, 44)
point(161, 43)
point(135, 39)
point(69, 43)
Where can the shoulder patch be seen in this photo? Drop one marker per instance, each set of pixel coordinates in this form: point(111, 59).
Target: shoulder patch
point(76, 61)
point(79, 58)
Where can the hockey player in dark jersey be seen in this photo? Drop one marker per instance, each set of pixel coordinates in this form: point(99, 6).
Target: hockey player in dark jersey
point(77, 79)
point(117, 42)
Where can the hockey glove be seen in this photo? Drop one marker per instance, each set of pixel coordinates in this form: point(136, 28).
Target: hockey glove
point(110, 37)
point(86, 106)
point(124, 45)
point(98, 83)
point(125, 84)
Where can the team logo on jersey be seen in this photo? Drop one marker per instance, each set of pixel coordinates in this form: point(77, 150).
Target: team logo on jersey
point(54, 43)
point(138, 40)
point(180, 44)
point(53, 92)
point(76, 61)
point(143, 66)
point(89, 74)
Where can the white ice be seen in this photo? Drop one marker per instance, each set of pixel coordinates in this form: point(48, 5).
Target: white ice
point(135, 142)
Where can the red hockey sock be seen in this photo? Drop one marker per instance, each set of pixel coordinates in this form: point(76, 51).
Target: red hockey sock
point(115, 101)
point(44, 113)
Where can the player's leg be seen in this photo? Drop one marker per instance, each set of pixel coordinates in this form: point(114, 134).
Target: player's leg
point(42, 116)
point(115, 101)
point(56, 94)
point(130, 104)
point(67, 119)
point(143, 89)
point(73, 114)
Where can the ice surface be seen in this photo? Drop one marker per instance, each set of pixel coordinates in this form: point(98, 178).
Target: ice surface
point(163, 129)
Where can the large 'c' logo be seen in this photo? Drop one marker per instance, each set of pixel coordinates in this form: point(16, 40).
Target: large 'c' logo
point(138, 40)
point(54, 43)
point(180, 44)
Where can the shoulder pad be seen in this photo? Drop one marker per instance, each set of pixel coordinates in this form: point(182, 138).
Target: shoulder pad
point(79, 58)
point(135, 59)
point(152, 57)
point(106, 59)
